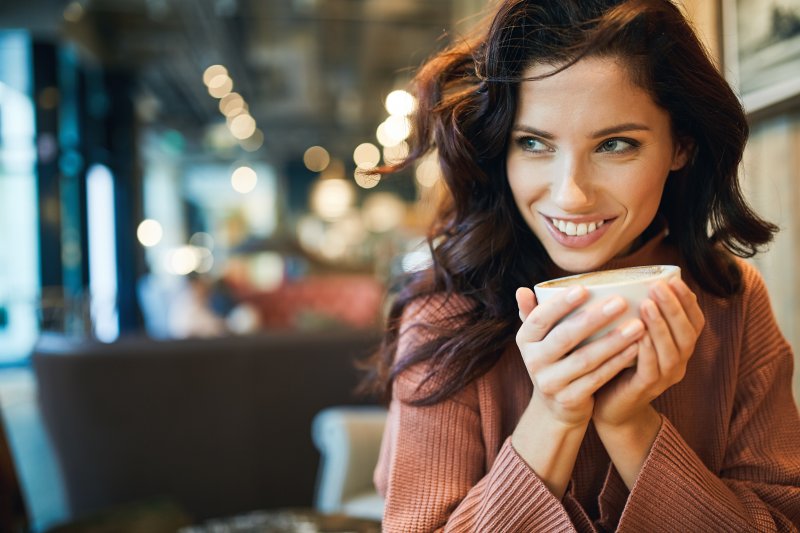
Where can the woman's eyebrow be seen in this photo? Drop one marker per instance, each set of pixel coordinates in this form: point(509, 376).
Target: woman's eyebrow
point(611, 130)
point(620, 128)
point(533, 131)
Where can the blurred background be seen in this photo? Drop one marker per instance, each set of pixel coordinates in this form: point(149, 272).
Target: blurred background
point(180, 169)
point(163, 154)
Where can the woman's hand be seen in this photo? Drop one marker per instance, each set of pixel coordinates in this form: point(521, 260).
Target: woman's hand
point(625, 421)
point(674, 322)
point(548, 436)
point(565, 376)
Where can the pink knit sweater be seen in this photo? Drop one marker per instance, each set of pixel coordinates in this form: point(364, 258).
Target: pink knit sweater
point(727, 457)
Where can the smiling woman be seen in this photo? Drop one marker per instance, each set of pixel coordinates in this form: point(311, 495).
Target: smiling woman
point(577, 136)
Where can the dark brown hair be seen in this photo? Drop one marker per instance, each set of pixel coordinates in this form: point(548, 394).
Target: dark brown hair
point(481, 247)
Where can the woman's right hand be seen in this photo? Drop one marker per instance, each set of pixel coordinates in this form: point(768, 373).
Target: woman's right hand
point(565, 376)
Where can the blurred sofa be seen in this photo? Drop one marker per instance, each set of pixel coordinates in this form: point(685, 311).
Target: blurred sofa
point(218, 426)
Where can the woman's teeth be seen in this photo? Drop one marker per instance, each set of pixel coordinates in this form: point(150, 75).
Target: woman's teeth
point(572, 229)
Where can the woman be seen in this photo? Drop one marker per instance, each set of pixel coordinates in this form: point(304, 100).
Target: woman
point(574, 136)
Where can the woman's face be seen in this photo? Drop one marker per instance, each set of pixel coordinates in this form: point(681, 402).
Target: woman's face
point(587, 160)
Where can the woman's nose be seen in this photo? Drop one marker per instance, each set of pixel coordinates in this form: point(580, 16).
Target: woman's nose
point(571, 188)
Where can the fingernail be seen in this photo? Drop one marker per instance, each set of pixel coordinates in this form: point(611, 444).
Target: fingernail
point(661, 291)
point(521, 316)
point(678, 285)
point(650, 309)
point(632, 328)
point(616, 305)
point(574, 294)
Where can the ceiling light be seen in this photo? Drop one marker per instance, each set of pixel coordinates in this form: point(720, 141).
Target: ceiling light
point(316, 159)
point(428, 172)
point(232, 104)
point(400, 103)
point(366, 179)
point(212, 72)
point(254, 142)
point(242, 126)
point(392, 155)
point(367, 155)
point(149, 232)
point(244, 179)
point(393, 130)
point(332, 198)
point(184, 259)
point(220, 85)
point(383, 211)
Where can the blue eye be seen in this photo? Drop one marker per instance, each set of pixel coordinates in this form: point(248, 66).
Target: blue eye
point(531, 144)
point(618, 146)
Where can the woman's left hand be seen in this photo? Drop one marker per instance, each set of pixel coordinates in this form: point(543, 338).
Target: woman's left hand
point(673, 322)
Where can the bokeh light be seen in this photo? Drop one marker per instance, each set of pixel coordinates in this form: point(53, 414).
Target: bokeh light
point(393, 155)
point(332, 198)
point(366, 155)
point(383, 211)
point(220, 86)
point(212, 72)
point(428, 172)
point(316, 159)
point(242, 126)
point(400, 102)
point(232, 104)
point(149, 232)
point(366, 179)
point(244, 179)
point(184, 260)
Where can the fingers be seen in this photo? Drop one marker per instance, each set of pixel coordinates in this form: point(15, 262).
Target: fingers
point(590, 357)
point(543, 317)
point(675, 316)
point(526, 301)
point(570, 333)
point(689, 302)
point(647, 367)
point(589, 383)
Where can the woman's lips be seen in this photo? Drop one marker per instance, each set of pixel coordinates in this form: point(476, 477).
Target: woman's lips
point(582, 233)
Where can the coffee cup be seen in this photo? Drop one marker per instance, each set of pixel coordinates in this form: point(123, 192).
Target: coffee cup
point(632, 283)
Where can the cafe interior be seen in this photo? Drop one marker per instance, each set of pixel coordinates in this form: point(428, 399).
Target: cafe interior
point(195, 248)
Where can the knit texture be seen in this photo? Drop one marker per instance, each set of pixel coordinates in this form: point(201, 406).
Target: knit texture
point(727, 457)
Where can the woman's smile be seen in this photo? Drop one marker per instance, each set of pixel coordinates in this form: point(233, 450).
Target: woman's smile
point(577, 234)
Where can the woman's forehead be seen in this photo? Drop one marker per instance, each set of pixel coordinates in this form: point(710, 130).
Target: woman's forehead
point(592, 90)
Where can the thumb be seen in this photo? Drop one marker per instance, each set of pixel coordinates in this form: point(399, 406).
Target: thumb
point(526, 301)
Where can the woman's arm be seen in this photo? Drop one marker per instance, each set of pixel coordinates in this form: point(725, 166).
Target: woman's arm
point(626, 422)
point(757, 487)
point(436, 473)
point(435, 476)
point(550, 432)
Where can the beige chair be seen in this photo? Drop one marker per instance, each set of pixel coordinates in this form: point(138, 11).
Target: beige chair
point(348, 439)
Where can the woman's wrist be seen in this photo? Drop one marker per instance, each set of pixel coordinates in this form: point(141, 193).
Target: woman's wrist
point(628, 444)
point(549, 446)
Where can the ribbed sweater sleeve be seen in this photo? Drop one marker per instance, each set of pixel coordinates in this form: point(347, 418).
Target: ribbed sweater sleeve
point(436, 476)
point(758, 486)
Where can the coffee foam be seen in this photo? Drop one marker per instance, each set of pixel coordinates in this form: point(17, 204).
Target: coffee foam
point(606, 277)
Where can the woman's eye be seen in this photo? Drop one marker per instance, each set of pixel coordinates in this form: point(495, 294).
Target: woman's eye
point(617, 146)
point(531, 144)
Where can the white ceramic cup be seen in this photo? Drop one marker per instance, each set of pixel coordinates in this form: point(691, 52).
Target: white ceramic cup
point(631, 283)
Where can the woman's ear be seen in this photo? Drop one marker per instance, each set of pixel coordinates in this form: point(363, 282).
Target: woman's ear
point(684, 152)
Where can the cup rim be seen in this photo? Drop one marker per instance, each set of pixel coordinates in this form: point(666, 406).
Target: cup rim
point(667, 269)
